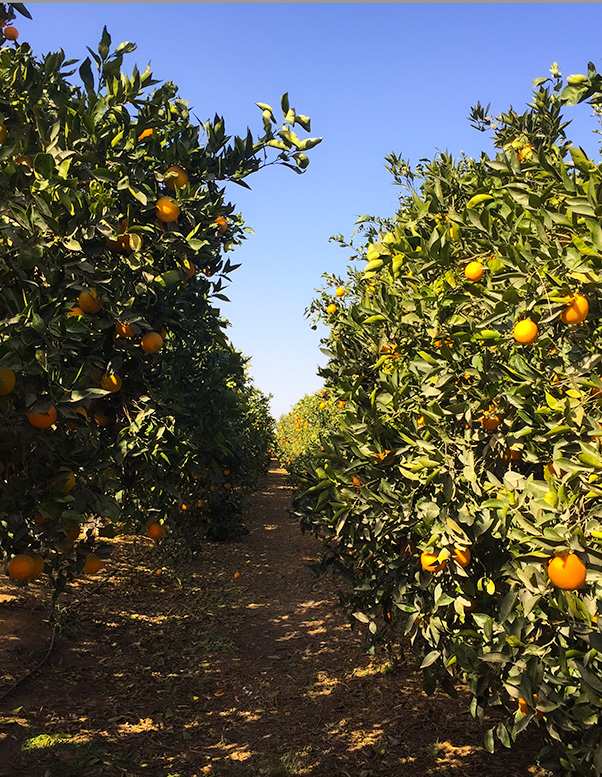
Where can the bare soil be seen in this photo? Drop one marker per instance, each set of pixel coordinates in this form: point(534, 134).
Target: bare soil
point(182, 669)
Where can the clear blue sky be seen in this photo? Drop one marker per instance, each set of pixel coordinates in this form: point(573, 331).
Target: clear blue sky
point(374, 77)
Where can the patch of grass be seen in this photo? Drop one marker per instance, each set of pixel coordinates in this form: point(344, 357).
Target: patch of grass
point(288, 764)
point(61, 755)
point(215, 643)
point(43, 741)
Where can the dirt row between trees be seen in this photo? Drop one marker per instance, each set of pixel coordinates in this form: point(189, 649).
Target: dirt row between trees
point(187, 670)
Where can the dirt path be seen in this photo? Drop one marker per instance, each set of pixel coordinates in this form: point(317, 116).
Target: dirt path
point(194, 671)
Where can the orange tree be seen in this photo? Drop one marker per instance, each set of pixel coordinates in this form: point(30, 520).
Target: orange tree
point(299, 433)
point(460, 497)
point(120, 395)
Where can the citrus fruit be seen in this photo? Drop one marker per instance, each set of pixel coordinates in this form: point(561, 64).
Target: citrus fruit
point(181, 179)
point(124, 330)
point(152, 342)
point(11, 33)
point(101, 418)
point(576, 311)
point(474, 271)
point(3, 133)
point(332, 308)
point(92, 565)
point(430, 563)
point(43, 420)
point(38, 566)
point(64, 481)
point(76, 311)
point(89, 301)
point(490, 422)
point(461, 556)
point(167, 209)
point(221, 223)
point(340, 292)
point(110, 382)
point(525, 331)
point(21, 567)
point(567, 573)
point(145, 133)
point(23, 160)
point(155, 531)
point(7, 381)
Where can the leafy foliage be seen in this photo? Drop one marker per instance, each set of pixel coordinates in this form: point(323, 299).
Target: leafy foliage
point(99, 248)
point(460, 437)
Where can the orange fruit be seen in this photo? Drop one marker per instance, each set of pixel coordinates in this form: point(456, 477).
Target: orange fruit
point(181, 178)
point(64, 482)
point(92, 565)
point(43, 420)
point(101, 418)
point(76, 311)
point(7, 381)
point(567, 573)
point(474, 271)
point(155, 531)
point(227, 485)
point(525, 331)
point(3, 133)
point(152, 342)
point(420, 420)
point(167, 209)
point(226, 472)
point(221, 223)
point(145, 133)
point(80, 411)
point(340, 292)
point(525, 709)
point(23, 160)
point(491, 422)
point(89, 301)
point(576, 310)
point(72, 531)
point(461, 556)
point(236, 575)
point(124, 330)
point(430, 563)
point(21, 567)
point(38, 566)
point(11, 33)
point(332, 308)
point(110, 382)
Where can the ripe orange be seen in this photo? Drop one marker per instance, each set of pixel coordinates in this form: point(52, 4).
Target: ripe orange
point(11, 33)
point(76, 311)
point(7, 381)
point(236, 575)
point(181, 179)
point(64, 481)
point(226, 472)
point(491, 422)
point(525, 709)
point(462, 556)
point(167, 209)
point(43, 420)
point(3, 133)
point(110, 382)
point(155, 531)
point(89, 301)
point(430, 563)
point(227, 485)
point(145, 133)
point(23, 160)
point(340, 292)
point(474, 271)
point(577, 310)
point(101, 418)
point(92, 565)
point(38, 566)
point(21, 567)
point(124, 330)
point(567, 573)
point(152, 342)
point(221, 223)
point(525, 331)
point(420, 420)
point(80, 411)
point(332, 308)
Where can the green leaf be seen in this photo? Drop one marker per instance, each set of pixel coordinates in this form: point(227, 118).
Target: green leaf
point(85, 73)
point(284, 103)
point(105, 44)
point(44, 165)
